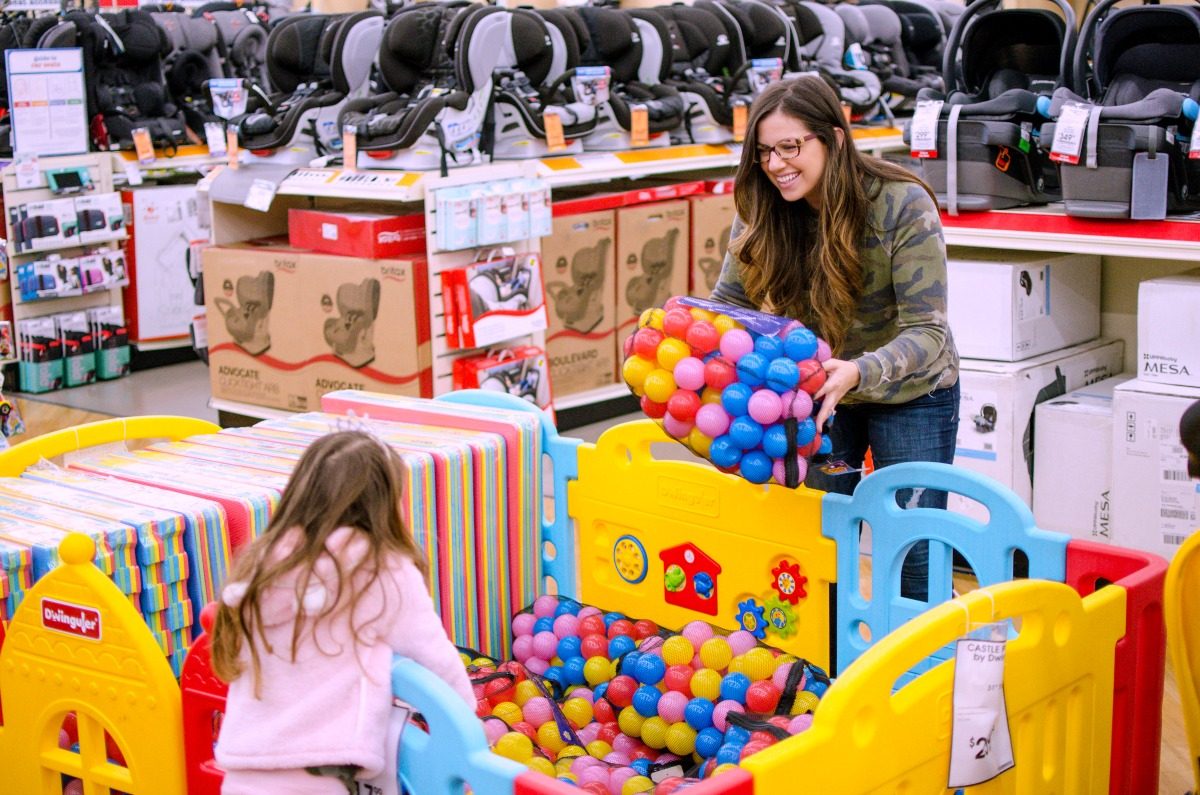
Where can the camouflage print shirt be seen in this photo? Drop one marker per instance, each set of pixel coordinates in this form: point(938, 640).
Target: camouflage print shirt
point(900, 338)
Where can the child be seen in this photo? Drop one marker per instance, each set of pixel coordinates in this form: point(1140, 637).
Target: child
point(315, 610)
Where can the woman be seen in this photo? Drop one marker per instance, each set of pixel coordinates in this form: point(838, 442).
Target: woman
point(852, 246)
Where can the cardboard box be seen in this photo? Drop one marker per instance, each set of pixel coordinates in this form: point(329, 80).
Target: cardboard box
point(164, 225)
point(1072, 483)
point(357, 234)
point(652, 259)
point(50, 224)
point(1168, 329)
point(493, 301)
point(1012, 305)
point(1155, 504)
point(286, 326)
point(996, 415)
point(100, 216)
point(712, 219)
point(579, 259)
point(522, 371)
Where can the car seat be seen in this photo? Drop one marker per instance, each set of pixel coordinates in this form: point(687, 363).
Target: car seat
point(922, 37)
point(1144, 80)
point(247, 321)
point(580, 304)
point(504, 285)
point(997, 63)
point(13, 29)
point(242, 38)
point(316, 62)
point(520, 378)
point(858, 88)
point(193, 60)
point(888, 59)
point(652, 287)
point(351, 335)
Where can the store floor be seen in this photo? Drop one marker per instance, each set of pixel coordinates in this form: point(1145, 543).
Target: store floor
point(183, 390)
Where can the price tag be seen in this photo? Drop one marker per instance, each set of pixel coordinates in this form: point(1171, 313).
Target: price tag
point(555, 140)
point(763, 72)
point(1194, 143)
point(214, 136)
point(1068, 133)
point(231, 147)
point(741, 114)
point(350, 147)
point(923, 129)
point(143, 145)
point(228, 97)
point(262, 193)
point(639, 125)
point(29, 175)
point(980, 743)
point(590, 84)
point(133, 173)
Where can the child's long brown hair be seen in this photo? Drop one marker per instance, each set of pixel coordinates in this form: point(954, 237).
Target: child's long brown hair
point(819, 280)
point(345, 479)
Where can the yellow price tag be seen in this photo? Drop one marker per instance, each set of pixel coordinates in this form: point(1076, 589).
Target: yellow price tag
point(231, 147)
point(741, 113)
point(639, 126)
point(555, 140)
point(143, 145)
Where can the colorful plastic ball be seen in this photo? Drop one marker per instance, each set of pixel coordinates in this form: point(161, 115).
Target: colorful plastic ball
point(719, 373)
point(566, 625)
point(712, 420)
point(522, 648)
point(543, 624)
point(549, 737)
point(752, 369)
point(679, 679)
point(703, 337)
point(586, 693)
point(621, 644)
point(603, 710)
point(710, 396)
point(578, 711)
point(592, 625)
point(608, 732)
point(677, 650)
point(689, 373)
point(646, 341)
point(633, 785)
point(624, 744)
point(706, 683)
point(573, 670)
point(677, 322)
point(756, 466)
point(538, 710)
point(675, 301)
point(755, 746)
point(812, 447)
point(762, 697)
point(802, 406)
point(671, 706)
point(735, 344)
point(800, 723)
point(812, 376)
point(596, 670)
point(723, 452)
point(800, 344)
point(791, 326)
point(545, 644)
point(659, 385)
point(676, 428)
point(774, 441)
point(768, 346)
point(683, 405)
point(736, 399)
point(652, 317)
point(716, 654)
point(641, 765)
point(741, 641)
point(620, 626)
point(645, 700)
point(634, 371)
point(524, 691)
point(737, 735)
point(545, 605)
point(699, 442)
point(599, 749)
point(728, 754)
point(708, 741)
point(764, 407)
point(745, 433)
point(630, 721)
point(724, 323)
point(782, 374)
point(493, 729)
point(654, 733)
point(816, 687)
point(824, 354)
point(594, 779)
point(514, 746)
point(652, 408)
point(697, 632)
point(758, 664)
point(569, 645)
point(629, 663)
point(734, 687)
point(698, 713)
point(699, 313)
point(825, 447)
point(537, 665)
point(589, 610)
point(522, 624)
point(541, 764)
point(644, 628)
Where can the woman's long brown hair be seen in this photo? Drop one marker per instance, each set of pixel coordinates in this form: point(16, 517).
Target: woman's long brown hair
point(344, 479)
point(820, 279)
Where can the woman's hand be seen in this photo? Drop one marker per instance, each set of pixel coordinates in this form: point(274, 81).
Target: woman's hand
point(840, 377)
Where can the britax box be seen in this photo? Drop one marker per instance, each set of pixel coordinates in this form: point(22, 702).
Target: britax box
point(1012, 305)
point(1156, 506)
point(712, 221)
point(286, 326)
point(652, 258)
point(1072, 482)
point(579, 261)
point(996, 415)
point(1168, 325)
point(357, 234)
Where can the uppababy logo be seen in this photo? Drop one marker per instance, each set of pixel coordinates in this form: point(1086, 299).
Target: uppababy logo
point(83, 622)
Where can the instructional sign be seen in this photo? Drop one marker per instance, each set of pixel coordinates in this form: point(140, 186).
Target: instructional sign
point(46, 101)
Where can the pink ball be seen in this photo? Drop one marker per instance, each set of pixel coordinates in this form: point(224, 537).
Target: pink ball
point(545, 606)
point(800, 723)
point(616, 758)
point(697, 663)
point(589, 733)
point(689, 373)
point(619, 776)
point(537, 665)
point(789, 328)
point(675, 427)
point(780, 472)
point(671, 705)
point(593, 773)
point(722, 709)
point(74, 787)
point(779, 678)
point(494, 729)
point(765, 406)
point(545, 645)
point(666, 757)
point(823, 352)
point(736, 343)
point(585, 693)
point(538, 710)
point(802, 406)
point(741, 641)
point(712, 420)
point(522, 648)
point(523, 624)
point(584, 612)
point(624, 744)
point(785, 403)
point(697, 632)
point(566, 625)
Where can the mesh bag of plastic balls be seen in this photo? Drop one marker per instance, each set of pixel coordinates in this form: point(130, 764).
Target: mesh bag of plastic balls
point(734, 385)
point(616, 705)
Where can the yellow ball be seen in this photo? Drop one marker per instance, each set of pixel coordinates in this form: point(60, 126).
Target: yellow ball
point(597, 670)
point(541, 765)
point(671, 352)
point(659, 385)
point(681, 739)
point(549, 738)
point(710, 395)
point(758, 664)
point(634, 371)
point(678, 650)
point(715, 653)
point(514, 746)
point(508, 712)
point(654, 733)
point(699, 442)
point(706, 683)
point(556, 661)
point(636, 784)
point(702, 314)
point(738, 664)
point(599, 749)
point(525, 691)
point(578, 711)
point(652, 317)
point(724, 323)
point(568, 754)
point(466, 658)
point(805, 702)
point(725, 768)
point(630, 722)
point(483, 662)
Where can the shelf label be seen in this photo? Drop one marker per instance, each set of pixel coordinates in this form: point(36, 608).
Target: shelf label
point(262, 193)
point(1068, 133)
point(639, 125)
point(27, 172)
point(214, 136)
point(555, 139)
point(143, 145)
point(980, 743)
point(924, 128)
point(133, 173)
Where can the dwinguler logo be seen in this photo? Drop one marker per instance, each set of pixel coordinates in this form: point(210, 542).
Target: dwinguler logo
point(82, 622)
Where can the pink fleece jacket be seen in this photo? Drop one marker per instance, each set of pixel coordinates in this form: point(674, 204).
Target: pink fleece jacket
point(331, 706)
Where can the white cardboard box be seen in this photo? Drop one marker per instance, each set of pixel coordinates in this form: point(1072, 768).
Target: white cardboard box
point(1155, 504)
point(1072, 481)
point(1013, 305)
point(996, 419)
point(1169, 329)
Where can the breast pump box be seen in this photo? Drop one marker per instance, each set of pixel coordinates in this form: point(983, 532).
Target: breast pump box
point(1010, 306)
point(1169, 330)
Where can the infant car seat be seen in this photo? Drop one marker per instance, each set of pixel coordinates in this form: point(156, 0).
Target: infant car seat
point(317, 62)
point(580, 305)
point(922, 40)
point(519, 378)
point(351, 335)
point(1145, 79)
point(652, 287)
point(247, 321)
point(241, 41)
point(997, 62)
point(193, 60)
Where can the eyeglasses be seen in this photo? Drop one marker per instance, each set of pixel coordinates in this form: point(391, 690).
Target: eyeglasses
point(786, 149)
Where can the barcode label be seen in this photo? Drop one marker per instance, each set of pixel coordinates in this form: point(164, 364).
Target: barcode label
point(1171, 538)
point(1174, 474)
point(1169, 513)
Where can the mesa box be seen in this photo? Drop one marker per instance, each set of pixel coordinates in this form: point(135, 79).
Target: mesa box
point(1168, 330)
point(712, 221)
point(652, 259)
point(357, 234)
point(286, 326)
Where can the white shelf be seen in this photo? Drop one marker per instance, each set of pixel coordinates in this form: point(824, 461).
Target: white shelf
point(162, 345)
point(393, 186)
point(73, 244)
point(248, 409)
point(186, 159)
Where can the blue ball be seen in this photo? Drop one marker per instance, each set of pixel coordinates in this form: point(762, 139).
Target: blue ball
point(629, 663)
point(736, 735)
point(609, 618)
point(734, 687)
point(752, 369)
point(568, 647)
point(745, 433)
point(698, 714)
point(650, 669)
point(599, 690)
point(708, 742)
point(816, 687)
point(800, 344)
point(774, 441)
point(805, 431)
point(756, 466)
point(826, 446)
point(556, 674)
point(543, 624)
point(621, 644)
point(645, 700)
point(573, 670)
point(724, 453)
point(771, 347)
point(729, 754)
point(735, 399)
point(782, 374)
point(567, 606)
point(642, 766)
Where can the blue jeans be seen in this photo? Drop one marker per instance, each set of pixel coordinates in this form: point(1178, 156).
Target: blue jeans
point(923, 429)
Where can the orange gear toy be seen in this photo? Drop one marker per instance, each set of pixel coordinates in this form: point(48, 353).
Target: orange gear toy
point(788, 582)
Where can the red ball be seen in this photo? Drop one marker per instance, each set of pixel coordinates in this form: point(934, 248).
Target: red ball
point(812, 376)
point(620, 690)
point(604, 712)
point(762, 737)
point(628, 346)
point(679, 678)
point(643, 751)
point(483, 708)
point(526, 728)
point(608, 732)
point(669, 785)
point(594, 788)
point(593, 646)
point(653, 409)
point(719, 373)
point(645, 342)
point(592, 625)
point(676, 322)
point(644, 629)
point(622, 626)
point(751, 748)
point(674, 301)
point(683, 405)
point(762, 697)
point(811, 448)
point(499, 690)
point(703, 336)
